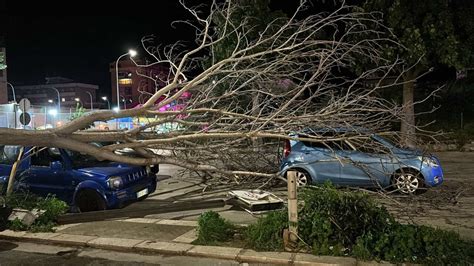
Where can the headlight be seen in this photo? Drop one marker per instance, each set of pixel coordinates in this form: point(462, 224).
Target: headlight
point(115, 182)
point(429, 161)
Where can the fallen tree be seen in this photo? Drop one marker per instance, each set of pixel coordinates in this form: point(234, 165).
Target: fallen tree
point(296, 73)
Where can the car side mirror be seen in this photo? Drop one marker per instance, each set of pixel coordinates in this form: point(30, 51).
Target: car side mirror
point(56, 166)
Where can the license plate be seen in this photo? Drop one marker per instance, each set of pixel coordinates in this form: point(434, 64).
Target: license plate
point(142, 193)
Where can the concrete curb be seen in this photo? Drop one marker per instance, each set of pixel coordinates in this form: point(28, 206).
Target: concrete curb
point(173, 248)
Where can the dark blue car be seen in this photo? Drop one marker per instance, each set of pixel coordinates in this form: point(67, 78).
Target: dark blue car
point(85, 183)
point(364, 160)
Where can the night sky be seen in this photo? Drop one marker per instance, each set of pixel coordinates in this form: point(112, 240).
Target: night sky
point(78, 40)
point(79, 44)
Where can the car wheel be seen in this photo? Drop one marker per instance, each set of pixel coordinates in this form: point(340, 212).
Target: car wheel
point(302, 178)
point(89, 200)
point(408, 182)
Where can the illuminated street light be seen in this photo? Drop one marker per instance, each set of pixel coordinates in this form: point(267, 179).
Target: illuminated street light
point(116, 109)
point(132, 53)
point(50, 101)
point(53, 112)
point(105, 99)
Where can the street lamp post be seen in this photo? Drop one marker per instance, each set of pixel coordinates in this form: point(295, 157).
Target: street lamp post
point(124, 102)
point(78, 100)
point(105, 99)
point(90, 95)
point(132, 53)
point(13, 91)
point(59, 99)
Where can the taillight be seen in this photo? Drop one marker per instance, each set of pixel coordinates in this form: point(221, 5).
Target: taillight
point(286, 149)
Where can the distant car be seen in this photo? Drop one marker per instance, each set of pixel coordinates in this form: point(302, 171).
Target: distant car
point(82, 181)
point(362, 161)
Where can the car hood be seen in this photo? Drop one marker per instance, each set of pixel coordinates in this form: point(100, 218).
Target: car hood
point(407, 152)
point(107, 171)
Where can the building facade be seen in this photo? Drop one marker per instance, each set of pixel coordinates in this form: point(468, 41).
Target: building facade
point(3, 75)
point(133, 85)
point(68, 92)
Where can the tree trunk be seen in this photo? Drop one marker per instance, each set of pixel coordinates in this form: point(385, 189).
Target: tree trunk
point(408, 121)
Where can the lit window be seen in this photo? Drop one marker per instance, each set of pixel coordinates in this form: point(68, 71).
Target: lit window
point(125, 81)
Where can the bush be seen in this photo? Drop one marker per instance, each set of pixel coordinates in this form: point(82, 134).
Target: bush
point(332, 220)
point(212, 228)
point(347, 223)
point(337, 222)
point(52, 206)
point(267, 233)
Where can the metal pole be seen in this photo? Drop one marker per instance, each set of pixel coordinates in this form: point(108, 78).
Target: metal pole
point(59, 99)
point(116, 79)
point(92, 106)
point(124, 103)
point(13, 92)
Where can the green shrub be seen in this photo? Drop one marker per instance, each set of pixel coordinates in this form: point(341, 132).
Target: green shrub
point(332, 220)
point(337, 222)
point(212, 228)
point(347, 223)
point(52, 206)
point(267, 233)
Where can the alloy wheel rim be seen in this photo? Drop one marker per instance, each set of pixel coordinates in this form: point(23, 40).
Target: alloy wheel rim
point(407, 183)
point(301, 179)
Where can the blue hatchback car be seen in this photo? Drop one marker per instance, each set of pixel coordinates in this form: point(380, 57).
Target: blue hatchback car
point(82, 181)
point(362, 161)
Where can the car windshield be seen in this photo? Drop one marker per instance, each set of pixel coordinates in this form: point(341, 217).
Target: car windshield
point(388, 141)
point(82, 160)
point(9, 154)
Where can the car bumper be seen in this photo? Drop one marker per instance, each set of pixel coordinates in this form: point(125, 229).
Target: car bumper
point(131, 193)
point(433, 175)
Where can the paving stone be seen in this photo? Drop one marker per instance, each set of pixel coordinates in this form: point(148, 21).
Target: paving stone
point(64, 226)
point(163, 247)
point(214, 252)
point(11, 233)
point(142, 220)
point(248, 255)
point(308, 259)
point(178, 222)
point(187, 237)
point(68, 239)
point(39, 236)
point(114, 243)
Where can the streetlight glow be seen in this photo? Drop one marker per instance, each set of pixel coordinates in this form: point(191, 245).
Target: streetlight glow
point(132, 52)
point(77, 99)
point(116, 109)
point(53, 112)
point(104, 98)
point(50, 101)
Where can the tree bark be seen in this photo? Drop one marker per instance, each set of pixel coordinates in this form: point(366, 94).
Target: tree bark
point(408, 128)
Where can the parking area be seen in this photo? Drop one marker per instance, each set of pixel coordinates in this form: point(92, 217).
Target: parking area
point(450, 206)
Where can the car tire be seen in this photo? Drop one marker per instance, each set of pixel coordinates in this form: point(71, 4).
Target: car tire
point(89, 200)
point(302, 177)
point(408, 182)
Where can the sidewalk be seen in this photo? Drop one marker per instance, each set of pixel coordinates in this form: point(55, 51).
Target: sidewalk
point(162, 236)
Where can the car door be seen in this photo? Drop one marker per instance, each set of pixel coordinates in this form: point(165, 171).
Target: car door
point(47, 174)
point(367, 163)
point(323, 159)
